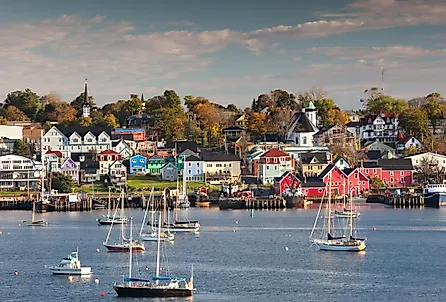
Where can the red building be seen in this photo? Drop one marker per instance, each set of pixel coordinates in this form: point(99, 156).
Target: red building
point(287, 182)
point(393, 172)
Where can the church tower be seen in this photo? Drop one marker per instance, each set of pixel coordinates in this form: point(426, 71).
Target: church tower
point(86, 106)
point(310, 112)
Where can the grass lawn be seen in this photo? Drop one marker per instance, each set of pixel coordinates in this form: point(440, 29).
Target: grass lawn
point(147, 182)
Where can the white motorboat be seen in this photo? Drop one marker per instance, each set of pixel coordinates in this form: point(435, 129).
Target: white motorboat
point(70, 265)
point(347, 213)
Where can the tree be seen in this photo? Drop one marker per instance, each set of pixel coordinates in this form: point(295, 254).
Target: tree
point(376, 183)
point(78, 102)
point(257, 125)
point(169, 123)
point(62, 183)
point(85, 121)
point(429, 171)
point(384, 103)
point(348, 152)
point(312, 95)
point(263, 101)
point(433, 110)
point(172, 99)
point(410, 151)
point(192, 130)
point(3, 121)
point(209, 116)
point(282, 99)
point(12, 113)
point(26, 101)
point(233, 108)
point(111, 121)
point(20, 148)
point(134, 104)
point(97, 117)
point(414, 121)
point(325, 111)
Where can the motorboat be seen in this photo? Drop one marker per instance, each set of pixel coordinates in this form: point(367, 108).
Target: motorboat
point(71, 265)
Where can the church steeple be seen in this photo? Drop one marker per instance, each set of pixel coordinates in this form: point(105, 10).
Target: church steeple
point(86, 105)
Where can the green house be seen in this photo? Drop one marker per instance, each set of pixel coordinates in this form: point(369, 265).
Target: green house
point(179, 160)
point(154, 165)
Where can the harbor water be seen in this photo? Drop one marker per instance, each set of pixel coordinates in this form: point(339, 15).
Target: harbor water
point(236, 256)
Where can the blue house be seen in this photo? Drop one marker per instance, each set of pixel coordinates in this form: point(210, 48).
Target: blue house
point(138, 164)
point(193, 168)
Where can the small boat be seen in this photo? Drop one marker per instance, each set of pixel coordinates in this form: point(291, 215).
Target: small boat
point(347, 213)
point(158, 286)
point(35, 222)
point(342, 242)
point(203, 204)
point(70, 265)
point(124, 244)
point(434, 195)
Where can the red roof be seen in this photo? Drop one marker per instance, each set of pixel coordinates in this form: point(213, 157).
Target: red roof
point(57, 153)
point(274, 153)
point(109, 152)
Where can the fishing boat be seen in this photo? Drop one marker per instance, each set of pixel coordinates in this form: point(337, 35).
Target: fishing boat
point(111, 219)
point(346, 240)
point(123, 244)
point(157, 286)
point(152, 235)
point(70, 265)
point(434, 195)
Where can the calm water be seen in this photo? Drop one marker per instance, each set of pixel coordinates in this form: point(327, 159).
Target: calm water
point(404, 260)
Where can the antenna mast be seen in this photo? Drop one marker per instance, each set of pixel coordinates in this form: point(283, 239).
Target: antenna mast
point(382, 78)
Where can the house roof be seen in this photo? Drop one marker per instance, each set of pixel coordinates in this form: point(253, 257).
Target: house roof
point(327, 170)
point(310, 106)
point(187, 152)
point(324, 129)
point(76, 156)
point(167, 165)
point(57, 153)
point(274, 153)
point(89, 164)
point(285, 174)
point(306, 158)
point(313, 182)
point(396, 164)
point(271, 137)
point(218, 156)
point(353, 124)
point(373, 117)
point(339, 158)
point(138, 156)
point(373, 154)
point(82, 131)
point(192, 158)
point(155, 157)
point(182, 145)
point(303, 124)
point(109, 152)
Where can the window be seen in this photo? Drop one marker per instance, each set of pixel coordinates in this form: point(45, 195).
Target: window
point(319, 190)
point(391, 173)
point(134, 161)
point(391, 179)
point(402, 173)
point(304, 140)
point(374, 171)
point(189, 164)
point(218, 165)
point(367, 171)
point(189, 172)
point(275, 167)
point(267, 167)
point(209, 165)
point(198, 164)
point(141, 160)
point(229, 165)
point(198, 171)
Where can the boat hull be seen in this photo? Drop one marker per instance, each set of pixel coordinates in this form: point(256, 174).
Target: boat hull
point(37, 223)
point(180, 230)
point(71, 271)
point(124, 248)
point(148, 292)
point(434, 200)
point(154, 237)
point(347, 215)
point(338, 246)
point(109, 222)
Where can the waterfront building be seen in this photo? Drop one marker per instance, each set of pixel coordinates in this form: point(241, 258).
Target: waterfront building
point(70, 168)
point(193, 168)
point(221, 167)
point(392, 172)
point(169, 172)
point(138, 165)
point(313, 163)
point(53, 160)
point(286, 183)
point(274, 163)
point(19, 173)
point(376, 127)
point(154, 165)
point(110, 164)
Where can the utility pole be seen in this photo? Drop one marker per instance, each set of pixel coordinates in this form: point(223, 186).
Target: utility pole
point(382, 78)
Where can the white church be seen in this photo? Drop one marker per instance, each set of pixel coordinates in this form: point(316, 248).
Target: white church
point(303, 127)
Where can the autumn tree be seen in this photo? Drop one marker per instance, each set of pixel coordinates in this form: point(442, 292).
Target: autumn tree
point(56, 110)
point(257, 125)
point(3, 121)
point(348, 152)
point(209, 116)
point(414, 121)
point(111, 121)
point(312, 95)
point(26, 101)
point(12, 113)
point(433, 109)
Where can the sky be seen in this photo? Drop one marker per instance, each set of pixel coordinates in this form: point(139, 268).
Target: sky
point(228, 51)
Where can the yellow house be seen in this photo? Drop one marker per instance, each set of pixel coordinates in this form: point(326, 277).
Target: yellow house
point(313, 163)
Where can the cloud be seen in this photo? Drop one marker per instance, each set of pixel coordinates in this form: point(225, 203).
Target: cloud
point(182, 23)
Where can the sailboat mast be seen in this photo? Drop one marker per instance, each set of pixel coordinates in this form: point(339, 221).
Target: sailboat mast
point(122, 215)
point(351, 215)
point(109, 201)
point(329, 205)
point(158, 248)
point(131, 245)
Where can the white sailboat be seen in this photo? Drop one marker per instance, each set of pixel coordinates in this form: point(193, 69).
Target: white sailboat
point(330, 242)
point(33, 221)
point(152, 235)
point(71, 265)
point(346, 213)
point(124, 244)
point(110, 219)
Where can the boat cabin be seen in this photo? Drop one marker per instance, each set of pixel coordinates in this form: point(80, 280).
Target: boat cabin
point(435, 188)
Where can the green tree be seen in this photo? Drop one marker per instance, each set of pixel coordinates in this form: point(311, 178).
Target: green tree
point(172, 99)
point(282, 99)
point(12, 113)
point(3, 121)
point(21, 148)
point(385, 103)
point(433, 109)
point(414, 122)
point(376, 183)
point(26, 101)
point(192, 130)
point(62, 183)
point(325, 111)
point(78, 102)
point(134, 104)
point(97, 117)
point(233, 108)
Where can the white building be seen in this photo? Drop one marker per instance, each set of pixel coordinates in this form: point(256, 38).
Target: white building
point(19, 172)
point(430, 159)
point(303, 127)
point(11, 132)
point(77, 139)
point(376, 127)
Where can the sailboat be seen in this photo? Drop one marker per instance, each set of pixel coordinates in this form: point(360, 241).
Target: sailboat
point(158, 286)
point(186, 226)
point(110, 219)
point(328, 242)
point(152, 235)
point(35, 222)
point(124, 244)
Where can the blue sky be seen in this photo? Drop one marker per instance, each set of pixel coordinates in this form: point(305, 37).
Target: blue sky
point(228, 51)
